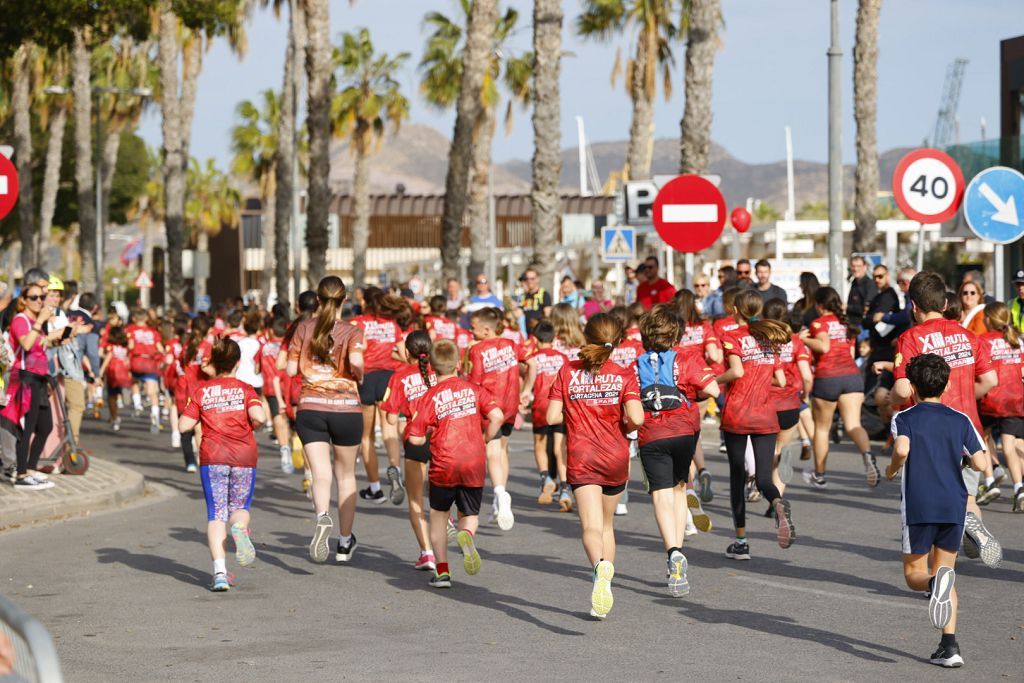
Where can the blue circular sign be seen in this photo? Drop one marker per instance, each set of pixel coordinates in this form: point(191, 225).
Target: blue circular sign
point(993, 205)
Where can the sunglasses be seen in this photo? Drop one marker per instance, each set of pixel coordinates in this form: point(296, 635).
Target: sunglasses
point(36, 297)
point(743, 272)
point(880, 277)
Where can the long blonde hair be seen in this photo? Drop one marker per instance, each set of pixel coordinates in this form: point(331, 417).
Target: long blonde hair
point(566, 321)
point(603, 333)
point(997, 318)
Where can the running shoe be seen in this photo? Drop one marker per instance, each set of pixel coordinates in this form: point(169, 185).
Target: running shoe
point(453, 530)
point(706, 494)
point(988, 547)
point(245, 551)
point(721, 447)
point(786, 462)
point(871, 470)
point(425, 562)
point(940, 603)
point(470, 556)
point(372, 496)
point(986, 494)
point(40, 476)
point(690, 529)
point(30, 483)
point(701, 520)
point(547, 491)
point(175, 439)
point(1018, 501)
point(116, 425)
point(601, 599)
point(998, 474)
point(307, 488)
point(816, 481)
point(784, 529)
point(286, 460)
point(154, 426)
point(220, 583)
point(738, 550)
point(805, 451)
point(191, 468)
point(396, 494)
point(565, 500)
point(319, 547)
point(10, 473)
point(678, 586)
point(441, 580)
point(753, 493)
point(970, 548)
point(503, 507)
point(346, 551)
point(947, 656)
point(136, 413)
point(621, 510)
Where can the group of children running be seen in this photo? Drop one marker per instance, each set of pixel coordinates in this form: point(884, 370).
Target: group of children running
point(627, 383)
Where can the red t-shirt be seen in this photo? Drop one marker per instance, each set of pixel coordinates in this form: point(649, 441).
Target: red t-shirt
point(442, 327)
point(549, 362)
point(119, 375)
point(463, 339)
point(788, 397)
point(494, 365)
point(692, 376)
point(594, 407)
point(450, 412)
point(697, 337)
point(625, 354)
point(222, 407)
point(33, 360)
point(380, 336)
point(142, 342)
point(172, 363)
point(634, 333)
point(268, 364)
point(404, 392)
point(658, 293)
point(1006, 399)
point(749, 409)
point(838, 362)
point(967, 358)
point(720, 327)
point(571, 352)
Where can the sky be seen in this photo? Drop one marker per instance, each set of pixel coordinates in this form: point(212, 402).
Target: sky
point(770, 72)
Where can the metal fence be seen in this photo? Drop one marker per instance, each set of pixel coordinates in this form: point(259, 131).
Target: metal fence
point(26, 649)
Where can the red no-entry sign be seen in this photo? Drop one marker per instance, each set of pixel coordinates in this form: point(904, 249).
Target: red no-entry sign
point(8, 186)
point(689, 213)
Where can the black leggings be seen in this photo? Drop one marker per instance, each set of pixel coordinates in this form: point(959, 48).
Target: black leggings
point(764, 455)
point(187, 449)
point(38, 422)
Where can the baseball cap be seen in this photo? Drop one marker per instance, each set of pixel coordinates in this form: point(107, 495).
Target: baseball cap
point(1018, 276)
point(481, 279)
point(56, 283)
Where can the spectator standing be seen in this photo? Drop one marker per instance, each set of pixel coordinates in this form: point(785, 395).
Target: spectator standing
point(453, 296)
point(903, 317)
point(763, 271)
point(978, 278)
point(598, 302)
point(701, 292)
point(862, 291)
point(972, 306)
point(882, 335)
point(654, 289)
point(536, 301)
point(483, 298)
point(743, 273)
point(804, 312)
point(714, 306)
point(1016, 304)
point(571, 294)
point(629, 288)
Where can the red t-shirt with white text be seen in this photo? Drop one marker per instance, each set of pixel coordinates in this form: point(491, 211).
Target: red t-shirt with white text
point(494, 365)
point(549, 362)
point(380, 336)
point(749, 409)
point(838, 361)
point(692, 375)
point(788, 397)
point(405, 391)
point(222, 407)
point(1006, 399)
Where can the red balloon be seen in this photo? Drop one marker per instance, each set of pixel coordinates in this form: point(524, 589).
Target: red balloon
point(740, 219)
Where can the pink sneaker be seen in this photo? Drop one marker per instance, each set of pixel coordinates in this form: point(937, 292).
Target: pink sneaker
point(425, 562)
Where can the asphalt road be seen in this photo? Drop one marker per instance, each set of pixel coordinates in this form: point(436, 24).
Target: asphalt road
point(123, 593)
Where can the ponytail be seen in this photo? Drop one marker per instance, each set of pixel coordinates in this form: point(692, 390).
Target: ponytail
point(418, 346)
point(225, 356)
point(200, 328)
point(828, 298)
point(331, 293)
point(602, 333)
point(749, 305)
point(997, 318)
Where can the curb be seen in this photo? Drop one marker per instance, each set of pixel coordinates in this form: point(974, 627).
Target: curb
point(19, 509)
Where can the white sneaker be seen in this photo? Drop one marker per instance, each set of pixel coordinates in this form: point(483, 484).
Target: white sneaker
point(691, 528)
point(504, 516)
point(621, 510)
point(175, 439)
point(286, 463)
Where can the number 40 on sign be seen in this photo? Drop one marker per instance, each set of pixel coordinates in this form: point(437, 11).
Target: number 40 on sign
point(928, 186)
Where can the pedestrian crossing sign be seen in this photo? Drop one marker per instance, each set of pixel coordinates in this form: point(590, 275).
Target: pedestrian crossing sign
point(618, 244)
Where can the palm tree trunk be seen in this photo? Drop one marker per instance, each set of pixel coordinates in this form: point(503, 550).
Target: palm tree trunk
point(202, 247)
point(478, 211)
point(269, 205)
point(111, 147)
point(360, 207)
point(483, 17)
point(865, 106)
point(641, 129)
point(82, 91)
point(51, 182)
point(286, 147)
point(22, 106)
point(318, 70)
point(547, 139)
point(701, 44)
point(175, 157)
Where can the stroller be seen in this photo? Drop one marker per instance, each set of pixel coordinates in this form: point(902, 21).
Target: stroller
point(61, 453)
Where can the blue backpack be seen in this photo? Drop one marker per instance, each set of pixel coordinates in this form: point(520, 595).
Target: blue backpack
point(658, 389)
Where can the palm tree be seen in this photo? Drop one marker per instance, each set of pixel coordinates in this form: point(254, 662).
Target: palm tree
point(148, 211)
point(81, 88)
point(318, 72)
point(652, 23)
point(865, 106)
point(21, 103)
point(254, 145)
point(442, 66)
point(211, 204)
point(547, 143)
point(476, 58)
point(701, 43)
point(52, 72)
point(368, 102)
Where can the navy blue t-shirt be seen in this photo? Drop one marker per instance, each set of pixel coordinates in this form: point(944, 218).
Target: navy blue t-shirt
point(933, 486)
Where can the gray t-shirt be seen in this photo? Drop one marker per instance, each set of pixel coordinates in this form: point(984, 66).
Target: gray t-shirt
point(773, 292)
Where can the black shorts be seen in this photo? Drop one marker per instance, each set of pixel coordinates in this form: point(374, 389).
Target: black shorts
point(886, 380)
point(467, 499)
point(374, 386)
point(605, 489)
point(275, 407)
point(548, 430)
point(666, 462)
point(788, 418)
point(319, 426)
point(506, 429)
point(831, 388)
point(417, 453)
point(1014, 426)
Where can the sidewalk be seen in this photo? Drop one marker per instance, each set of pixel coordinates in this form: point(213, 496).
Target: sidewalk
point(106, 484)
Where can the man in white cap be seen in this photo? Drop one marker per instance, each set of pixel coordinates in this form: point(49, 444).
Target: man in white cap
point(483, 297)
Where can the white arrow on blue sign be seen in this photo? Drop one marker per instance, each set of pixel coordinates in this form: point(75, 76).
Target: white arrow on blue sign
point(993, 203)
point(618, 244)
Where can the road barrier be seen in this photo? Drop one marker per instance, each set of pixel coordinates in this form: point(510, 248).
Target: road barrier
point(26, 649)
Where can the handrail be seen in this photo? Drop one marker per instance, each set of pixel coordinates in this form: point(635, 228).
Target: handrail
point(35, 657)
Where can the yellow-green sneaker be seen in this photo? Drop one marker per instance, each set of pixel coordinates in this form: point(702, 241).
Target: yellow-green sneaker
point(470, 556)
point(601, 599)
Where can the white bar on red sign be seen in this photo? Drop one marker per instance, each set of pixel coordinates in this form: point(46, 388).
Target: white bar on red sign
point(3, 184)
point(689, 213)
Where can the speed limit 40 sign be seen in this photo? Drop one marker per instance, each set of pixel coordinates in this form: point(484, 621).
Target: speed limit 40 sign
point(928, 186)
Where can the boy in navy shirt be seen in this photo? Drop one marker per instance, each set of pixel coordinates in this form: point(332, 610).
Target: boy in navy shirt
point(931, 442)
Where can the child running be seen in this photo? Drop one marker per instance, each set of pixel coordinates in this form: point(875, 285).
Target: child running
point(599, 402)
point(548, 440)
point(931, 441)
point(145, 356)
point(229, 411)
point(450, 414)
point(116, 371)
point(273, 390)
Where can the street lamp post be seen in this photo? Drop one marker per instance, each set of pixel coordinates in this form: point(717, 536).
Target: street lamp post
point(836, 272)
